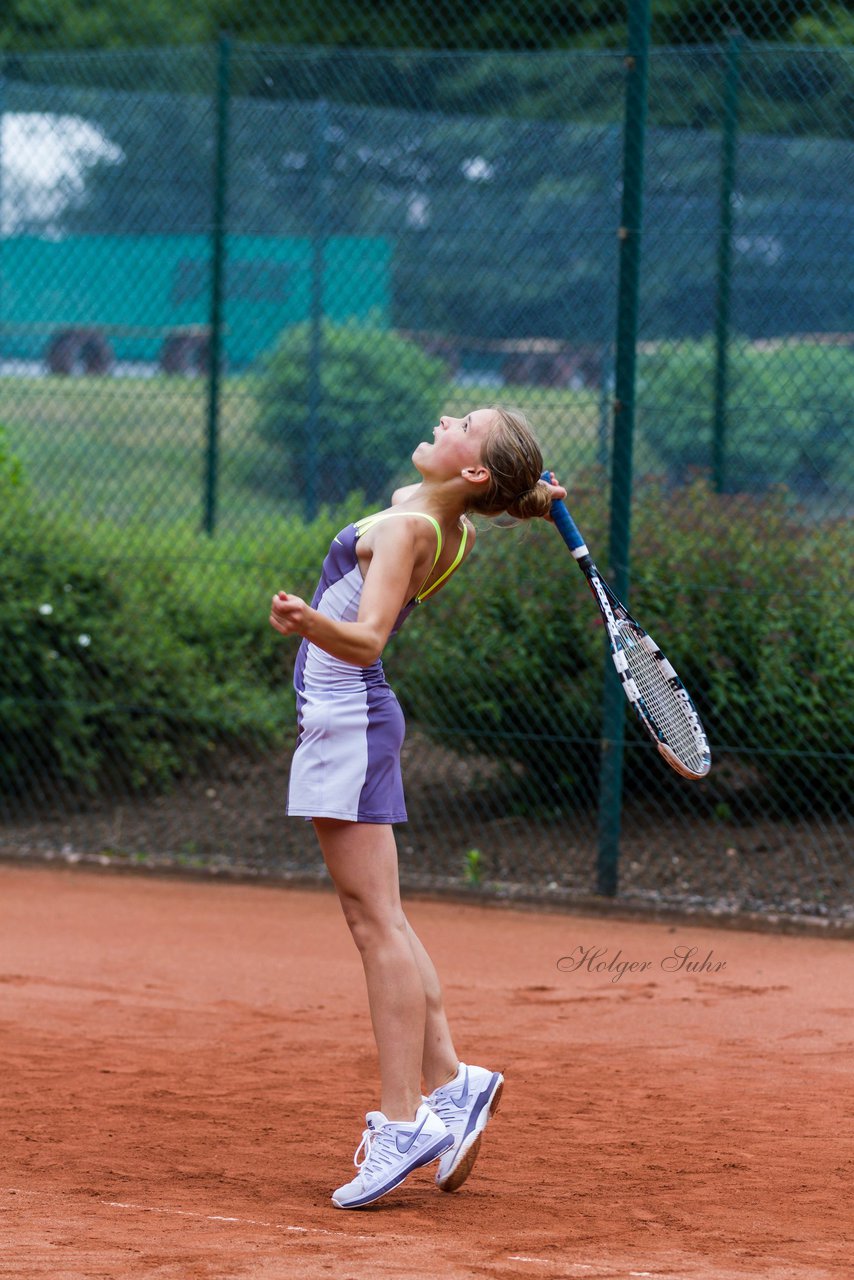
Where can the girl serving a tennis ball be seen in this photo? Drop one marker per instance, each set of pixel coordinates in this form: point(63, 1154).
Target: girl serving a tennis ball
point(346, 776)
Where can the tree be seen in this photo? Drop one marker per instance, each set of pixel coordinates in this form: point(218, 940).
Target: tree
point(345, 422)
point(439, 24)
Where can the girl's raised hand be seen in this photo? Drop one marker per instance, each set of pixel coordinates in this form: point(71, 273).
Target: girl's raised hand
point(288, 614)
point(555, 490)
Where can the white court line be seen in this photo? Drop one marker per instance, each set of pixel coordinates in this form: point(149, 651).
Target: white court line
point(575, 1266)
point(206, 1217)
point(219, 1217)
point(319, 1231)
point(559, 1262)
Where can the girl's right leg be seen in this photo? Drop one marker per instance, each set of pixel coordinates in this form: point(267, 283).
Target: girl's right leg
point(362, 861)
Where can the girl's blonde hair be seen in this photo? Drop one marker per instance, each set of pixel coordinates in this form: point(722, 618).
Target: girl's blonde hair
point(514, 461)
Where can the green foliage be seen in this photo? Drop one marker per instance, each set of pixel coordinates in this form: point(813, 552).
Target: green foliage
point(788, 416)
point(754, 609)
point(47, 24)
point(374, 389)
point(122, 675)
point(11, 471)
point(833, 26)
point(473, 867)
point(752, 614)
point(79, 24)
point(131, 655)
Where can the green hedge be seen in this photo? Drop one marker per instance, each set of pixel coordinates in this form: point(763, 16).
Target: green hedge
point(130, 658)
point(128, 663)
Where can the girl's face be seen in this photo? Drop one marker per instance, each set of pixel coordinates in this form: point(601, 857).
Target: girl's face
point(457, 445)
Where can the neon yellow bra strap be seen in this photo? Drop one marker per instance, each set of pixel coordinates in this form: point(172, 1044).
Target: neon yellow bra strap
point(422, 595)
point(368, 522)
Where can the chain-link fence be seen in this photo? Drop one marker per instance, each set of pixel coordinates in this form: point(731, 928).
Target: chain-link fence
point(239, 282)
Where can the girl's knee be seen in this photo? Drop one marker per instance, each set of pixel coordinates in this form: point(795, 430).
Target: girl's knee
point(370, 926)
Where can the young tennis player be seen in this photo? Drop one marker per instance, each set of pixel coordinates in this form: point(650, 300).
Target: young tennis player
point(346, 777)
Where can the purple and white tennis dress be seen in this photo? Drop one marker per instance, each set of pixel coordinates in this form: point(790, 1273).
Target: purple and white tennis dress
point(351, 728)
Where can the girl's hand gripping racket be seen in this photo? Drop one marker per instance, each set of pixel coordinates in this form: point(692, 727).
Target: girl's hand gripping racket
point(649, 681)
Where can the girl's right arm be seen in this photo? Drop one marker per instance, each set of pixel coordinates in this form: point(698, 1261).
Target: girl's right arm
point(384, 593)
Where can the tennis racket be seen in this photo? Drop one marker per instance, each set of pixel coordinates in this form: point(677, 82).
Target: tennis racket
point(659, 697)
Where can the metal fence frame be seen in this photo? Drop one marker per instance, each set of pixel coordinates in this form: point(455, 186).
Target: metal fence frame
point(625, 345)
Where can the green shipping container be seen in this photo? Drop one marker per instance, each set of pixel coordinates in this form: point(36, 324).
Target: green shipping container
point(139, 289)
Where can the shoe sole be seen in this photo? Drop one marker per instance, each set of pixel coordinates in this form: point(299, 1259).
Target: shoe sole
point(470, 1149)
point(432, 1153)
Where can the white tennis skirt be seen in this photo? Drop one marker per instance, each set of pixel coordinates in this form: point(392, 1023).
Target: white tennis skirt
point(347, 761)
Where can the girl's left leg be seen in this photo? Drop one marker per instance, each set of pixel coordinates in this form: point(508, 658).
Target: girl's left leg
point(439, 1062)
point(464, 1097)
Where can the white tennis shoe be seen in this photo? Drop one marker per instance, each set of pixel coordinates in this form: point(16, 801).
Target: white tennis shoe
point(464, 1105)
point(390, 1150)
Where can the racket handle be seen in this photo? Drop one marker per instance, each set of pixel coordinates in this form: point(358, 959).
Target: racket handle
point(566, 526)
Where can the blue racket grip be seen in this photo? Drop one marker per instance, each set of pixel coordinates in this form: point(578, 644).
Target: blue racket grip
point(564, 523)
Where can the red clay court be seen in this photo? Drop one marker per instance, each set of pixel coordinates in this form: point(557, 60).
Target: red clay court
point(186, 1066)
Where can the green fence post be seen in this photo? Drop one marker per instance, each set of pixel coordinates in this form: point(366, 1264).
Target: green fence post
point(2, 232)
point(613, 711)
point(319, 236)
point(722, 306)
point(218, 267)
point(611, 155)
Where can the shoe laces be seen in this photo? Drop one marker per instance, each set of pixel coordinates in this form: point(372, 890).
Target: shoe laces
point(444, 1108)
point(373, 1149)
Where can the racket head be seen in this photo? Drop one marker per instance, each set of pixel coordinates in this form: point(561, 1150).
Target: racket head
point(659, 698)
point(661, 701)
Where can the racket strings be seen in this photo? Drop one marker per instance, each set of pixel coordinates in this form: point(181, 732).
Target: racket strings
point(661, 703)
